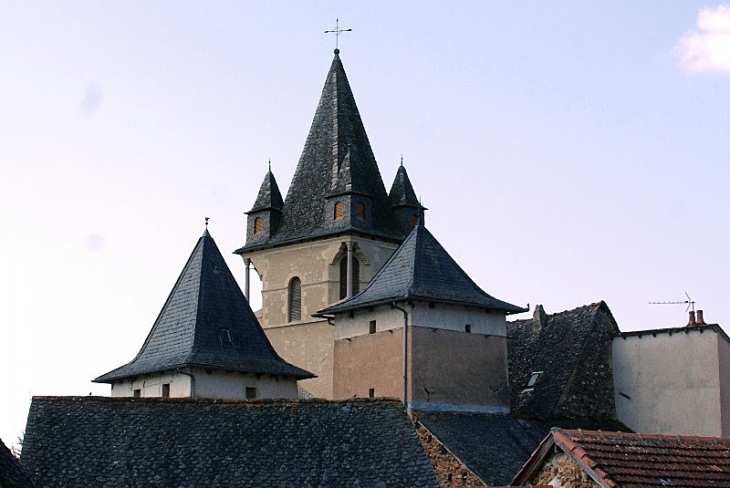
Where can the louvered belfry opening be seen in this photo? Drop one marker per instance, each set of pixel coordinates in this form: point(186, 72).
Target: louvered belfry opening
point(355, 276)
point(295, 300)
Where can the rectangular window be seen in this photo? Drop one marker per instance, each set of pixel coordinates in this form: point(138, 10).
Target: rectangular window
point(371, 393)
point(166, 390)
point(251, 393)
point(373, 327)
point(137, 393)
point(226, 337)
point(467, 328)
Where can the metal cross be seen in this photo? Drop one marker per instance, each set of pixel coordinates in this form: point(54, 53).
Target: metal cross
point(337, 31)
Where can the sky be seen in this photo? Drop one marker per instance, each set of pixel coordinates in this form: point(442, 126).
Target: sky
point(568, 152)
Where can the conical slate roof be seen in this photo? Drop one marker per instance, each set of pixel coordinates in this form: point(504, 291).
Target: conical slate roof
point(269, 196)
point(401, 193)
point(336, 159)
point(421, 269)
point(189, 332)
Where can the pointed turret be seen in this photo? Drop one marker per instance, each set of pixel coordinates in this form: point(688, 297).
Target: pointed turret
point(422, 270)
point(205, 323)
point(337, 184)
point(406, 206)
point(264, 216)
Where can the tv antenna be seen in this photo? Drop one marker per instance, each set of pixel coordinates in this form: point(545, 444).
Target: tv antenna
point(690, 303)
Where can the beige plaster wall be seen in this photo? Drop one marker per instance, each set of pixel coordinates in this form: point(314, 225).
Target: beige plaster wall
point(457, 368)
point(455, 318)
point(309, 343)
point(209, 384)
point(723, 350)
point(672, 383)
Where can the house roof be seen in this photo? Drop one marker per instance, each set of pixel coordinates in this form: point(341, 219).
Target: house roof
point(94, 441)
point(11, 474)
point(628, 460)
point(421, 269)
point(494, 446)
point(337, 158)
point(569, 356)
point(189, 330)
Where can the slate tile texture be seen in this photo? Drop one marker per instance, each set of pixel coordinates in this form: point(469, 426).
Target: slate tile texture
point(92, 441)
point(495, 446)
point(11, 473)
point(421, 269)
point(187, 333)
point(571, 351)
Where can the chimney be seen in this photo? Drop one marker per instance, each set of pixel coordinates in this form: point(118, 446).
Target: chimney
point(700, 318)
point(691, 319)
point(539, 318)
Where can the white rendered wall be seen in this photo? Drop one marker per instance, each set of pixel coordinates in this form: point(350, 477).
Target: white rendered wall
point(213, 384)
point(672, 383)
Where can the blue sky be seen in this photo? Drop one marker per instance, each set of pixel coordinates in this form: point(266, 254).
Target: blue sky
point(568, 153)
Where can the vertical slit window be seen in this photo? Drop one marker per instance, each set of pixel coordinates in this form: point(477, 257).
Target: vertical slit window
point(295, 300)
point(355, 276)
point(258, 225)
point(338, 210)
point(343, 277)
point(166, 390)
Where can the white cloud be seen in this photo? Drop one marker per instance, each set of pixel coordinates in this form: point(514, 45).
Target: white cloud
point(708, 47)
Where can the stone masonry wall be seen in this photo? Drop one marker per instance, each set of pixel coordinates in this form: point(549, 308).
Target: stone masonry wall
point(450, 472)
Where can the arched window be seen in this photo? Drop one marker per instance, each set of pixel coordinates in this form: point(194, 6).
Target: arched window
point(295, 300)
point(360, 210)
point(355, 276)
point(338, 210)
point(258, 225)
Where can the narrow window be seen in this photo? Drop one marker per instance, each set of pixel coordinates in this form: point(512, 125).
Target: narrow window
point(295, 300)
point(166, 390)
point(338, 210)
point(258, 225)
point(414, 220)
point(371, 393)
point(226, 337)
point(373, 327)
point(251, 393)
point(360, 210)
point(467, 328)
point(137, 393)
point(355, 276)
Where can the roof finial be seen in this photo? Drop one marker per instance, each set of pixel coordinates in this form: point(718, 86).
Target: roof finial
point(337, 31)
point(401, 160)
point(269, 165)
point(206, 223)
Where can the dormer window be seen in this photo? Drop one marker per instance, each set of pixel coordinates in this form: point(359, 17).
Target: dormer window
point(338, 211)
point(360, 210)
point(258, 225)
point(533, 378)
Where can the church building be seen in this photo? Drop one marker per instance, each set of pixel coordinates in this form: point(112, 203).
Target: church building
point(318, 249)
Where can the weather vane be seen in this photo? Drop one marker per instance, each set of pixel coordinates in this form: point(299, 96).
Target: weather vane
point(206, 223)
point(337, 31)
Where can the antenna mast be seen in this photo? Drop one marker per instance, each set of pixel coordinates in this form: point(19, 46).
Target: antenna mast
point(690, 303)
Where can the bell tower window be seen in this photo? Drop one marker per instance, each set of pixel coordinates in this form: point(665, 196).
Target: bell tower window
point(355, 276)
point(258, 225)
point(338, 211)
point(295, 300)
point(360, 210)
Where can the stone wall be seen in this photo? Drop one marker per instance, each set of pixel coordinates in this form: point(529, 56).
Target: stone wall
point(450, 472)
point(561, 471)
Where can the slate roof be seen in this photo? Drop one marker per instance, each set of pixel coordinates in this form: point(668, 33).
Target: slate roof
point(421, 269)
point(401, 192)
point(571, 350)
point(93, 441)
point(336, 158)
point(495, 446)
point(187, 333)
point(11, 474)
point(637, 460)
point(269, 196)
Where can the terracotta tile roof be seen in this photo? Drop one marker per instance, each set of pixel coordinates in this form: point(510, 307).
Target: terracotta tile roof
point(93, 441)
point(631, 460)
point(187, 333)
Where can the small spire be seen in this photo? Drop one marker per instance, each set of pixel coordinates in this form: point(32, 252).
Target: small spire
point(401, 160)
point(337, 31)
